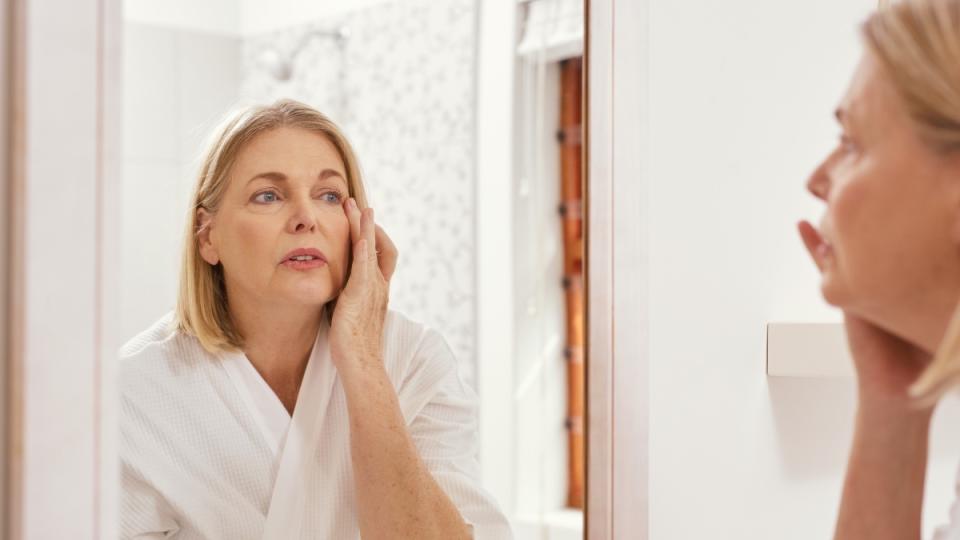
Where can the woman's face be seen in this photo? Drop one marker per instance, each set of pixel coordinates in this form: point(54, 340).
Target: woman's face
point(285, 192)
point(888, 234)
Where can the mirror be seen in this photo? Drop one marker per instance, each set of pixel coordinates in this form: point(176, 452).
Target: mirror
point(466, 119)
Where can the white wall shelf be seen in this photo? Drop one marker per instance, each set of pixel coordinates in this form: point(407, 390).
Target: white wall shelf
point(807, 350)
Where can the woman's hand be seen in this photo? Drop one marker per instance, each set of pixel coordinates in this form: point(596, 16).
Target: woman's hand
point(356, 331)
point(886, 364)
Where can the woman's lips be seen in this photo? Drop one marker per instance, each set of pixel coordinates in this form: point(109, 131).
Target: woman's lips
point(303, 265)
point(304, 258)
point(823, 247)
point(819, 248)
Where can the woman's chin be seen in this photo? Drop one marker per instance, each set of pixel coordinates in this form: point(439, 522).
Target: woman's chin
point(309, 296)
point(834, 291)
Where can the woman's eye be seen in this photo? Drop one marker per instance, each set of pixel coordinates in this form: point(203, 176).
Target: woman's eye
point(266, 197)
point(332, 197)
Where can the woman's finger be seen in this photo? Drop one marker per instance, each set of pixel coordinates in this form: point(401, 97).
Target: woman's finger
point(811, 239)
point(360, 260)
point(368, 232)
point(353, 217)
point(387, 253)
point(365, 234)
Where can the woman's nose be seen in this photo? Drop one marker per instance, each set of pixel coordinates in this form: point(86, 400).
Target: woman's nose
point(819, 182)
point(303, 215)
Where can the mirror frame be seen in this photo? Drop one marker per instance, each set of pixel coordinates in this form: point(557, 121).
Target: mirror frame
point(71, 392)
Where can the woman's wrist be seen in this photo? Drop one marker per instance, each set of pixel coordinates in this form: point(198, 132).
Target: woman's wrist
point(357, 370)
point(892, 414)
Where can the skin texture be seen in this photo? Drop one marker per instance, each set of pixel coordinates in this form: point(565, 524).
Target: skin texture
point(278, 311)
point(887, 251)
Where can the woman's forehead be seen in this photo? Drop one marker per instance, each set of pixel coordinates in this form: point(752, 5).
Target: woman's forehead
point(871, 101)
point(289, 150)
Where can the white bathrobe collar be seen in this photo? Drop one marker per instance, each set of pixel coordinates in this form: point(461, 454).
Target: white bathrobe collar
point(292, 439)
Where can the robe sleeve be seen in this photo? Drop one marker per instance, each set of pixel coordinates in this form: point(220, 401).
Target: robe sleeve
point(144, 513)
point(444, 431)
point(951, 531)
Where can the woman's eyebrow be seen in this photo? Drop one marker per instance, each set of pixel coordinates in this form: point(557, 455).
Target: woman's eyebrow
point(280, 177)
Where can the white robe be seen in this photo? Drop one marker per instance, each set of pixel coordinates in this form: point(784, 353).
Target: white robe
point(951, 531)
point(208, 450)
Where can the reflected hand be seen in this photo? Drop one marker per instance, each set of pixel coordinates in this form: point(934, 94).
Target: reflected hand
point(356, 330)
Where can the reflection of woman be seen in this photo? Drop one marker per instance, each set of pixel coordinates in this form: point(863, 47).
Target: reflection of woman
point(281, 399)
point(889, 253)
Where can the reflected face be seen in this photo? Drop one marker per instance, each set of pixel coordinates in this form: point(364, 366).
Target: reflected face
point(286, 192)
point(887, 233)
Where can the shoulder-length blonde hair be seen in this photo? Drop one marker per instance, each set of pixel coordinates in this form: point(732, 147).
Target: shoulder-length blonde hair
point(202, 309)
point(918, 43)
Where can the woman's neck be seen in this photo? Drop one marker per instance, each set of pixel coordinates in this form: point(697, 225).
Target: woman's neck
point(924, 321)
point(278, 340)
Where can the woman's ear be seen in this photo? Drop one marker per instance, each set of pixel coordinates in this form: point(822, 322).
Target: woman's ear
point(204, 240)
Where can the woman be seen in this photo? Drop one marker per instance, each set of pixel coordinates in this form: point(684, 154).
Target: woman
point(281, 399)
point(888, 249)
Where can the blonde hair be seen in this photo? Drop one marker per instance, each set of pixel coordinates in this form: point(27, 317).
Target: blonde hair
point(918, 43)
point(202, 306)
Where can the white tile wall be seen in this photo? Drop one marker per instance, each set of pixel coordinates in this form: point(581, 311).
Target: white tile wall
point(178, 84)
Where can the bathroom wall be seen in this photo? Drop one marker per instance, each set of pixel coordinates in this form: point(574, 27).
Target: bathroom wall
point(219, 17)
point(741, 100)
point(259, 16)
point(177, 83)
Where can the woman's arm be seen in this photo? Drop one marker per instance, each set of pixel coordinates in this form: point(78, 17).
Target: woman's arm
point(396, 495)
point(883, 490)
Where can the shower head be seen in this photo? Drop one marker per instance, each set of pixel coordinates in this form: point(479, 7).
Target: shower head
point(277, 67)
point(281, 68)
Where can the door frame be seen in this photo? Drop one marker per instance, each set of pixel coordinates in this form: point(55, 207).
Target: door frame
point(62, 95)
point(617, 270)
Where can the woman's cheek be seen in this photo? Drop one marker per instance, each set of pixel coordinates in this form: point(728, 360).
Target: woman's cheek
point(848, 197)
point(856, 220)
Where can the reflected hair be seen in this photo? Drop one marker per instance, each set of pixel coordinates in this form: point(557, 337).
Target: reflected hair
point(202, 304)
point(918, 44)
